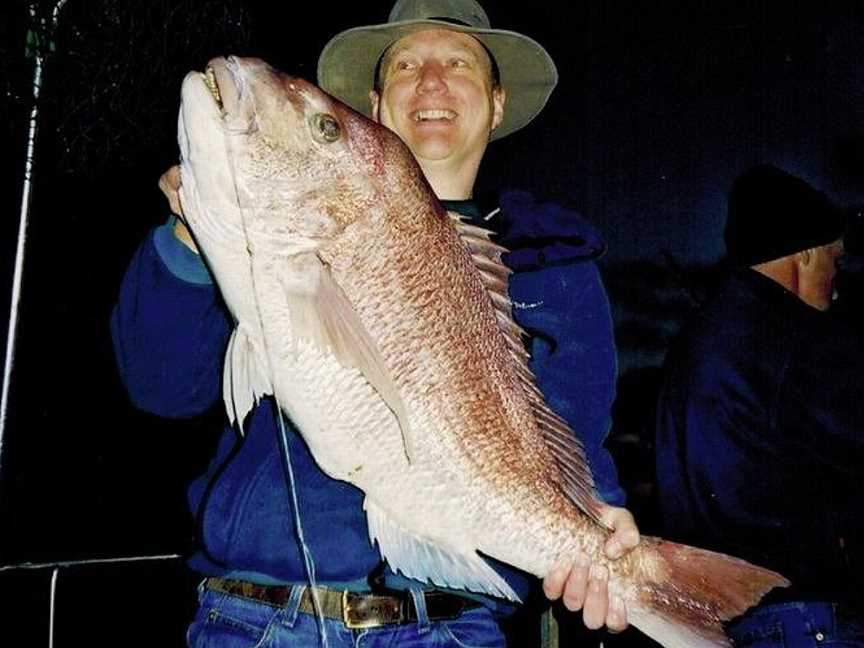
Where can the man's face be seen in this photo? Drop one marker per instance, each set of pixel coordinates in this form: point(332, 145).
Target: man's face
point(437, 95)
point(822, 270)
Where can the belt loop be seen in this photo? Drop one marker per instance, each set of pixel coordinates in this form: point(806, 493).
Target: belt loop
point(423, 625)
point(292, 606)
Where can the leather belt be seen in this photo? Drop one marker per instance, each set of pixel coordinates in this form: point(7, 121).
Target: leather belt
point(355, 609)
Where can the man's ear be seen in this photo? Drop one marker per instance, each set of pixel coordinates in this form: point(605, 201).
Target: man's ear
point(499, 99)
point(804, 257)
point(375, 100)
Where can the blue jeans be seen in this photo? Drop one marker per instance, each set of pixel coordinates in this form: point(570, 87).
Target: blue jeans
point(798, 625)
point(227, 621)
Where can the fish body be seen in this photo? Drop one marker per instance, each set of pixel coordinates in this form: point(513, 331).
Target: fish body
point(381, 325)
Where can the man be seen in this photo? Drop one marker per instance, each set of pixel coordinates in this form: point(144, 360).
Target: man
point(437, 87)
point(760, 428)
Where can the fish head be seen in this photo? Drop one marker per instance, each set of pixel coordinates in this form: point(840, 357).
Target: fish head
point(291, 166)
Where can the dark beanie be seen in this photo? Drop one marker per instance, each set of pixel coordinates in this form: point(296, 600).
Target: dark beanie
point(773, 214)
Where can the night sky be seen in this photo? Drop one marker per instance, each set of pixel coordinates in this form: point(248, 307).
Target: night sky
point(659, 106)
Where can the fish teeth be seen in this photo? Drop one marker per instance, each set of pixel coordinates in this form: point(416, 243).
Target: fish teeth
point(212, 86)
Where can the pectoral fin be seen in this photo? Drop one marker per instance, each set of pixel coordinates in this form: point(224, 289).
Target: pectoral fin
point(322, 313)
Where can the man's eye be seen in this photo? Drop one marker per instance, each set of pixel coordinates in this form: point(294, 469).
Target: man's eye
point(403, 65)
point(458, 63)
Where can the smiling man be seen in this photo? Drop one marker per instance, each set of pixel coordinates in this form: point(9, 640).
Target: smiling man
point(441, 78)
point(447, 83)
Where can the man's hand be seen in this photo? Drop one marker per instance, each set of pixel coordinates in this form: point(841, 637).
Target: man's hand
point(585, 587)
point(169, 183)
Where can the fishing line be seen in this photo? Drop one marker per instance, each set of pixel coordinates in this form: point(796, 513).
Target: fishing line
point(491, 214)
point(307, 554)
point(308, 560)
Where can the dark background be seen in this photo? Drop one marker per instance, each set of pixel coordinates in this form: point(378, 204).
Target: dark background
point(660, 105)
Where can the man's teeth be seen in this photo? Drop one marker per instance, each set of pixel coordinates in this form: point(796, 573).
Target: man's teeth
point(425, 115)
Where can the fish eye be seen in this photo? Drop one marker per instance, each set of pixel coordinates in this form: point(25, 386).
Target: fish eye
point(325, 127)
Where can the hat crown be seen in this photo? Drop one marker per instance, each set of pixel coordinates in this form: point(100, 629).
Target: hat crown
point(464, 12)
point(772, 214)
point(348, 62)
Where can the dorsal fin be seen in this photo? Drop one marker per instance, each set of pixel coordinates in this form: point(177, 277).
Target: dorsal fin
point(574, 473)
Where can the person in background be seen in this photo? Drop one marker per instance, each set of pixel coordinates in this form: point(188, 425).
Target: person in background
point(447, 83)
point(760, 421)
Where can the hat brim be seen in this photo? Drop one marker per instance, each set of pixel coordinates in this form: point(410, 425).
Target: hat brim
point(347, 65)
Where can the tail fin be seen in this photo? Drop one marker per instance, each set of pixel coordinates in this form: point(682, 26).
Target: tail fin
point(684, 594)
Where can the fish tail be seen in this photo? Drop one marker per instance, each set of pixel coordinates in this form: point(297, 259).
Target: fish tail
point(684, 594)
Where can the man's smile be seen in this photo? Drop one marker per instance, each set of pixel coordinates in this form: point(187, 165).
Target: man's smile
point(433, 115)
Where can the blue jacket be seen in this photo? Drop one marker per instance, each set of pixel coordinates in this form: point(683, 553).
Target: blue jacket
point(170, 331)
point(760, 438)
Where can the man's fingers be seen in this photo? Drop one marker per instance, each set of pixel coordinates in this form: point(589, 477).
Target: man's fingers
point(616, 616)
point(553, 584)
point(596, 598)
point(577, 583)
point(170, 179)
point(169, 183)
point(625, 533)
point(620, 542)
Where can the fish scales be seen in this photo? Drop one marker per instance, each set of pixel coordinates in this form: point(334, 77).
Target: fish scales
point(425, 296)
point(382, 327)
point(472, 384)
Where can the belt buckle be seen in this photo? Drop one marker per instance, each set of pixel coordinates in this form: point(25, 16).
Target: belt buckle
point(360, 612)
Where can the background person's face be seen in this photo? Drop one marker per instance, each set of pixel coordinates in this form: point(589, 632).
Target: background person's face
point(822, 270)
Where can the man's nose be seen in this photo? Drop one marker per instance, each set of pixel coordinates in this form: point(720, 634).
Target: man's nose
point(841, 262)
point(431, 78)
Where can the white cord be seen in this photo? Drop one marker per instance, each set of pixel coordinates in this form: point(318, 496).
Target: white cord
point(308, 561)
point(491, 214)
point(307, 555)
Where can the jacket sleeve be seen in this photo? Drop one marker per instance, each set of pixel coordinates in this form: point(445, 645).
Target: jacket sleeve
point(578, 368)
point(169, 329)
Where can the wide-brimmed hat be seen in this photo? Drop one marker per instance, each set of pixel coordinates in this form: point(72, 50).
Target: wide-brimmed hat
point(347, 65)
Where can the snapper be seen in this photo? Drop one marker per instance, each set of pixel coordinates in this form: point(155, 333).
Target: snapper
point(381, 325)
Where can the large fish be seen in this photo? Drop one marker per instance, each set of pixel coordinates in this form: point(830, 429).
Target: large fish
point(381, 325)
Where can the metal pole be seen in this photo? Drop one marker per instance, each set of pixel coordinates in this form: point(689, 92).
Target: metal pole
point(89, 561)
point(22, 223)
point(549, 636)
point(52, 609)
point(55, 568)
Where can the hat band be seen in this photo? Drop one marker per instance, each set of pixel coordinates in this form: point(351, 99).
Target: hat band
point(450, 20)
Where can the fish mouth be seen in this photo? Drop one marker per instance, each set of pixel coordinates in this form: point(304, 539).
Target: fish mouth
point(220, 78)
point(439, 115)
